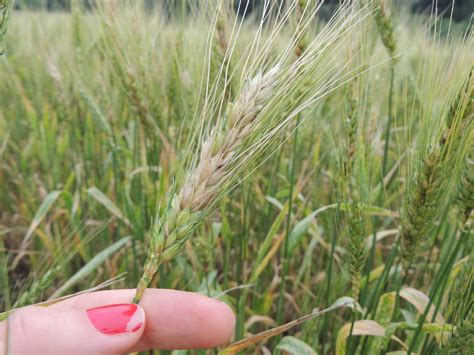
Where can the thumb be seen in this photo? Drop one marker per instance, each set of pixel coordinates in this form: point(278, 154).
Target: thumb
point(110, 329)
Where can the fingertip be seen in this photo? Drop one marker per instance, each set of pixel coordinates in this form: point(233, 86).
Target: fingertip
point(184, 320)
point(221, 322)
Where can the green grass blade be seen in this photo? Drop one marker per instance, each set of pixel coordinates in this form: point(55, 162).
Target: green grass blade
point(90, 267)
point(108, 204)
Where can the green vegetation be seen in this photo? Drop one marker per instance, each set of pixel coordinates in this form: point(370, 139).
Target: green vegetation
point(283, 163)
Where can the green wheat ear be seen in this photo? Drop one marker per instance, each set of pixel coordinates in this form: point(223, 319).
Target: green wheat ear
point(220, 64)
point(461, 309)
point(356, 245)
point(466, 192)
point(384, 23)
point(466, 186)
point(431, 181)
point(5, 10)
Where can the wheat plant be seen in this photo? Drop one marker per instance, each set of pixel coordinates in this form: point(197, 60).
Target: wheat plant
point(308, 163)
point(263, 108)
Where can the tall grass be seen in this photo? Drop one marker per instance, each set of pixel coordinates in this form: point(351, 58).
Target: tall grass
point(274, 159)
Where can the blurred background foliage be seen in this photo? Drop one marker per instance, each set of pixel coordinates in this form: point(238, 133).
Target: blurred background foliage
point(92, 107)
point(462, 10)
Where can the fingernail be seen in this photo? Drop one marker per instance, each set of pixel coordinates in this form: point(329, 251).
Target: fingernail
point(117, 318)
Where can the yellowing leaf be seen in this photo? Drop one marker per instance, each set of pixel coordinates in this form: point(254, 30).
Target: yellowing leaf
point(361, 327)
point(383, 316)
point(253, 339)
point(420, 301)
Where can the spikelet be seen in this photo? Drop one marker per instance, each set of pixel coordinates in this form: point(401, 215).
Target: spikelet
point(453, 131)
point(354, 217)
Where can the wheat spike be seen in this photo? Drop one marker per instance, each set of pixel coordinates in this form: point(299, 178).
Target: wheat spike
point(422, 206)
point(384, 23)
point(203, 183)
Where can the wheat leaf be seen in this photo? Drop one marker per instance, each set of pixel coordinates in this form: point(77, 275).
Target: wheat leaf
point(293, 345)
point(420, 301)
point(349, 302)
point(107, 203)
point(40, 214)
point(251, 340)
point(361, 327)
point(91, 266)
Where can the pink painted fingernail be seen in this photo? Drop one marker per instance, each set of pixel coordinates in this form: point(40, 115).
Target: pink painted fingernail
point(117, 318)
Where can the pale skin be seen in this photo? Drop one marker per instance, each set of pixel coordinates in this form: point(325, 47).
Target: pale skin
point(165, 319)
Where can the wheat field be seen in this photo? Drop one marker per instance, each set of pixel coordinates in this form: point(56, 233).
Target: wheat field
point(284, 160)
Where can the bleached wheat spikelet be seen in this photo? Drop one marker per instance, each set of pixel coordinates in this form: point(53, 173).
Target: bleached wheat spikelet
point(220, 147)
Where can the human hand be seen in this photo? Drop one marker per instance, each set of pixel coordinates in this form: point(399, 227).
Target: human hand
point(105, 322)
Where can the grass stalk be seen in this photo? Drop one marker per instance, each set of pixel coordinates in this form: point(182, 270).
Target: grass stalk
point(286, 254)
point(389, 122)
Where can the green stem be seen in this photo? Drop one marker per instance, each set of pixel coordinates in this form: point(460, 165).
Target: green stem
point(241, 299)
point(286, 256)
point(5, 283)
point(329, 278)
point(370, 263)
point(389, 123)
point(372, 301)
point(444, 272)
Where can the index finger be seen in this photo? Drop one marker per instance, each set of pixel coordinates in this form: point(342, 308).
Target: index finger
point(175, 319)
